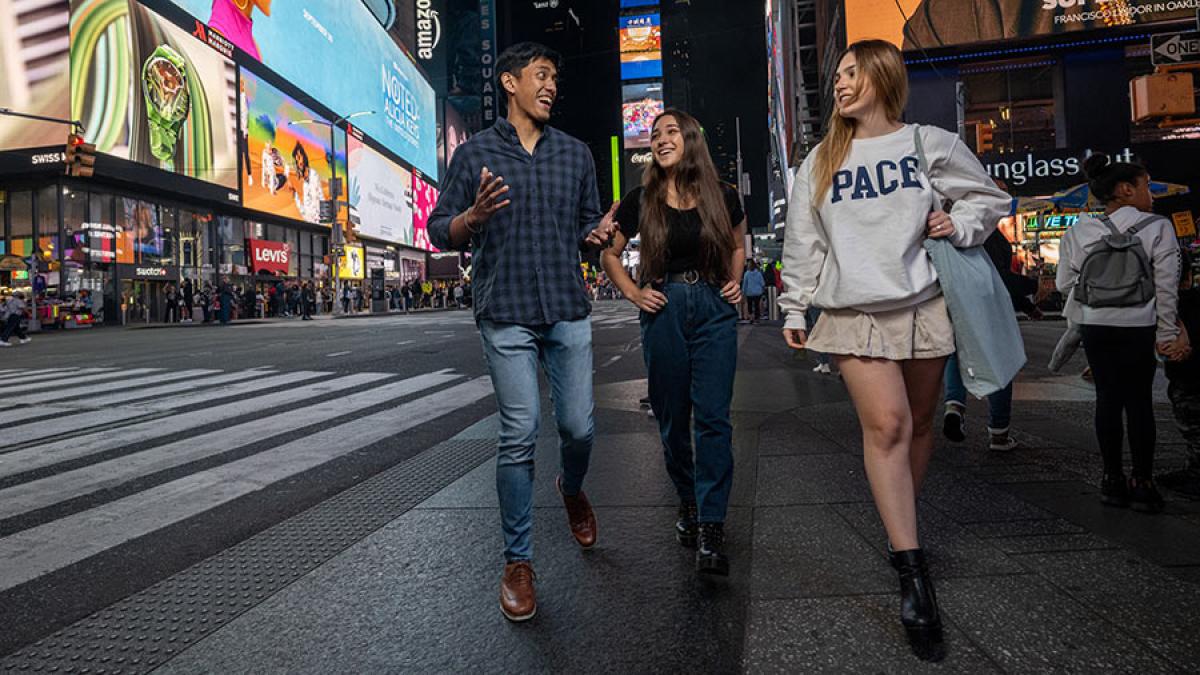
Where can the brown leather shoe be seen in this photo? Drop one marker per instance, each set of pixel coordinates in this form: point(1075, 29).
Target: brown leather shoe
point(580, 516)
point(518, 601)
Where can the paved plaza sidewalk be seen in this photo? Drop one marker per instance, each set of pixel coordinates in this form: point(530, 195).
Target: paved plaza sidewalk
point(1033, 575)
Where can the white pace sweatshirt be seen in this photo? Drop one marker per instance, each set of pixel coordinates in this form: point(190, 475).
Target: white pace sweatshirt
point(861, 247)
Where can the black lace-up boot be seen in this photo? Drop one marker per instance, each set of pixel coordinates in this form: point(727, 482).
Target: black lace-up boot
point(710, 552)
point(918, 606)
point(686, 528)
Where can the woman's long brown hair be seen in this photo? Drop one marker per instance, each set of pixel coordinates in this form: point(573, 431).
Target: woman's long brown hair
point(881, 64)
point(696, 182)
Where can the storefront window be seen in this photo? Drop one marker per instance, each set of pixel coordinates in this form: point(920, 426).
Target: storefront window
point(231, 231)
point(20, 223)
point(293, 238)
point(1015, 101)
point(142, 231)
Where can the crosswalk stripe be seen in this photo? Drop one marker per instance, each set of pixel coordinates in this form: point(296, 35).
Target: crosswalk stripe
point(73, 379)
point(48, 491)
point(49, 454)
point(109, 386)
point(185, 401)
point(9, 371)
point(48, 372)
point(177, 387)
point(77, 418)
point(40, 550)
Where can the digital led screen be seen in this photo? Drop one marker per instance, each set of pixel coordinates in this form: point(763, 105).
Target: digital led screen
point(641, 46)
point(452, 133)
point(336, 51)
point(638, 3)
point(149, 92)
point(289, 165)
point(928, 24)
point(379, 195)
point(425, 197)
point(39, 86)
point(641, 103)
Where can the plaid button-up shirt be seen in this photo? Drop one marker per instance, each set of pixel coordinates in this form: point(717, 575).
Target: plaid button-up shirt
point(525, 260)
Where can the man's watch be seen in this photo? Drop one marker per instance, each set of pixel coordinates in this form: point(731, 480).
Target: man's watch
point(168, 100)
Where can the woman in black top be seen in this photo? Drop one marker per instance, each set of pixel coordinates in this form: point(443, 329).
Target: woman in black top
point(692, 228)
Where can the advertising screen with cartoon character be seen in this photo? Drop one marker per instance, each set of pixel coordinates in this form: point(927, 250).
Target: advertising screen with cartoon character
point(288, 161)
point(149, 92)
point(929, 24)
point(351, 263)
point(336, 51)
point(641, 46)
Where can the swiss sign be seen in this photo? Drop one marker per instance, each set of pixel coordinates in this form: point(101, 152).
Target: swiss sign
point(268, 256)
point(1172, 48)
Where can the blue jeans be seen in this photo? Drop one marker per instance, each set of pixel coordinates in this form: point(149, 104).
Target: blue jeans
point(513, 354)
point(999, 403)
point(691, 356)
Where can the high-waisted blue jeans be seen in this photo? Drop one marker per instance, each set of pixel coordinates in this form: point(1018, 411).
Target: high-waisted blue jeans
point(691, 355)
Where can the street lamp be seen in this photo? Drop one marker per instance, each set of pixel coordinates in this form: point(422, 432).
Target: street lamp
point(334, 193)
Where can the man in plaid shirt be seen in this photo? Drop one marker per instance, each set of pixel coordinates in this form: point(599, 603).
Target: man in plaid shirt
point(523, 196)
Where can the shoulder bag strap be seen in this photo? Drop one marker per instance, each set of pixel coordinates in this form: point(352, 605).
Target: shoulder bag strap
point(1137, 227)
point(1112, 226)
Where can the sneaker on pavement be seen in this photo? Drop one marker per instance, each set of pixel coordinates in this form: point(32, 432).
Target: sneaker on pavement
point(518, 601)
point(1001, 441)
point(580, 516)
point(5, 343)
point(954, 422)
point(644, 402)
point(1114, 490)
point(26, 341)
point(1144, 496)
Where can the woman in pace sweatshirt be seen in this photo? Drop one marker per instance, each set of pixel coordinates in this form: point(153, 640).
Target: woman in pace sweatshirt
point(1120, 341)
point(860, 211)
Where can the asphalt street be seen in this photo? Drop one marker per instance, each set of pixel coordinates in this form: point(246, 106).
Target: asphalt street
point(98, 419)
point(287, 496)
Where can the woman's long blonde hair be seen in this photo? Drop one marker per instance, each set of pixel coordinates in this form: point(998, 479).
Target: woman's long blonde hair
point(881, 64)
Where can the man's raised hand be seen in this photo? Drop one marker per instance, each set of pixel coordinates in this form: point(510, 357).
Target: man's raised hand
point(491, 189)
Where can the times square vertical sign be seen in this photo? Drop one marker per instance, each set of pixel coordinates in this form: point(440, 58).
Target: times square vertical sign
point(487, 59)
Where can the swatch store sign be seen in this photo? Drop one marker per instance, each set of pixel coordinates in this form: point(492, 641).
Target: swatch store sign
point(269, 256)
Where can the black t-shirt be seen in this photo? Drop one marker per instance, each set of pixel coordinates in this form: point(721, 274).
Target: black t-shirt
point(683, 227)
point(1189, 313)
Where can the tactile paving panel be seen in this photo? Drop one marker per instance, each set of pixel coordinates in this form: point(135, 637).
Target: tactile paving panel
point(147, 629)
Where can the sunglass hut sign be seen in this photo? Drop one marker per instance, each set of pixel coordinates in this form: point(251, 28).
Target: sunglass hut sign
point(1041, 170)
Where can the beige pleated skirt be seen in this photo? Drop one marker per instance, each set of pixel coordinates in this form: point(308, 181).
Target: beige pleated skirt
point(923, 331)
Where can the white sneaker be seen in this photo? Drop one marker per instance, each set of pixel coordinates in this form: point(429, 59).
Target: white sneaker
point(5, 344)
point(826, 369)
point(26, 340)
point(819, 368)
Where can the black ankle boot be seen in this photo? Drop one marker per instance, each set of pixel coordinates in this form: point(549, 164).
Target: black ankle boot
point(892, 557)
point(686, 528)
point(710, 553)
point(918, 606)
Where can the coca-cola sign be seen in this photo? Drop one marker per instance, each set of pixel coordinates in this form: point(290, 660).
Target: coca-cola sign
point(268, 256)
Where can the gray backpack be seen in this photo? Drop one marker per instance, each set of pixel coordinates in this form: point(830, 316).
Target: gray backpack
point(1116, 271)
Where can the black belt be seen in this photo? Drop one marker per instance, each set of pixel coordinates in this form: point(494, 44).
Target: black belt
point(688, 277)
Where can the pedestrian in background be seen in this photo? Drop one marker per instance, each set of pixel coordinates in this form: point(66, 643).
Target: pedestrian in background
point(861, 210)
point(172, 304)
point(753, 287)
point(1123, 330)
point(189, 300)
point(14, 310)
point(532, 309)
point(1184, 387)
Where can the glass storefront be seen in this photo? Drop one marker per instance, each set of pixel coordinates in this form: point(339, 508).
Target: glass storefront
point(117, 254)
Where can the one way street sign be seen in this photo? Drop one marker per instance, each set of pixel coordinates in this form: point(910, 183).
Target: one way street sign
point(1174, 48)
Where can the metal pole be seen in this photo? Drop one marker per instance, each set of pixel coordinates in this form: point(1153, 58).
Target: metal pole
point(337, 296)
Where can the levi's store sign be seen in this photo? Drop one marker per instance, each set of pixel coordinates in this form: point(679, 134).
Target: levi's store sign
point(268, 256)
